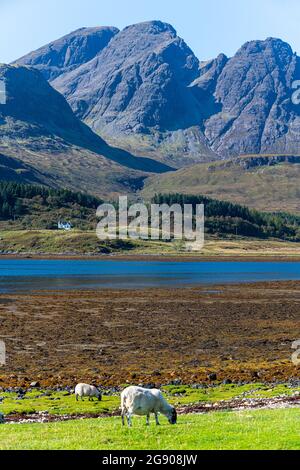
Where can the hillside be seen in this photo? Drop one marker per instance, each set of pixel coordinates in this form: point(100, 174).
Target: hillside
point(36, 207)
point(267, 183)
point(41, 140)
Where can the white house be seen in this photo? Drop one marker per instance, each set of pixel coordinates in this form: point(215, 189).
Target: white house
point(64, 226)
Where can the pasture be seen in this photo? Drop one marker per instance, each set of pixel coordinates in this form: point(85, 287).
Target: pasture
point(260, 429)
point(102, 430)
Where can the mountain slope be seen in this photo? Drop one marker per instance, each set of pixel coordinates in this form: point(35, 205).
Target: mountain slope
point(147, 92)
point(136, 92)
point(254, 93)
point(69, 52)
point(263, 182)
point(39, 129)
point(12, 169)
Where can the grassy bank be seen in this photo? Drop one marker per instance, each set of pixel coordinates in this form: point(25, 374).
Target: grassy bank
point(54, 242)
point(263, 429)
point(64, 403)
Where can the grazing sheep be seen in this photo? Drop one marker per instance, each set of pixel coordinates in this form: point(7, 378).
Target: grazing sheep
point(142, 401)
point(85, 390)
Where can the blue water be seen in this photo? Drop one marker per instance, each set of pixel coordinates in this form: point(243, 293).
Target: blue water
point(29, 275)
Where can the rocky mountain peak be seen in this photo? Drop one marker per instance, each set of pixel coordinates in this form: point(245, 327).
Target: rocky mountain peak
point(270, 45)
point(254, 95)
point(139, 85)
point(70, 51)
point(143, 89)
point(151, 27)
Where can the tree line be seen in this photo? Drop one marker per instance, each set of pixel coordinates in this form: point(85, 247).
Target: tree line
point(227, 217)
point(221, 217)
point(13, 194)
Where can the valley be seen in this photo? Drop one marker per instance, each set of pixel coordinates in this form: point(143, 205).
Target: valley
point(149, 227)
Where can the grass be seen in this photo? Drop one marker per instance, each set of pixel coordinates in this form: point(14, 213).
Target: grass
point(56, 403)
point(61, 403)
point(271, 188)
point(256, 429)
point(264, 429)
point(78, 242)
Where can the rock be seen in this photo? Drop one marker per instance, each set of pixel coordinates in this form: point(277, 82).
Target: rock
point(212, 377)
point(199, 386)
point(175, 382)
point(255, 374)
point(254, 91)
point(34, 385)
point(227, 382)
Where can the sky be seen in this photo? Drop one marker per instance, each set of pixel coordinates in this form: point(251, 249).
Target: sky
point(208, 26)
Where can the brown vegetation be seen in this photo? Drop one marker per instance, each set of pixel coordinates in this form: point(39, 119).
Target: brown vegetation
point(239, 332)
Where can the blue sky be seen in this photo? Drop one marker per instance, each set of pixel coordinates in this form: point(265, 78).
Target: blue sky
point(208, 26)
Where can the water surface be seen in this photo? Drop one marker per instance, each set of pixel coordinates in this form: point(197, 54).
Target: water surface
point(29, 275)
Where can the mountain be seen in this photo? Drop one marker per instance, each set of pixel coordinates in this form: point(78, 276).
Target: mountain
point(136, 94)
point(147, 92)
point(42, 138)
point(262, 182)
point(69, 52)
point(254, 93)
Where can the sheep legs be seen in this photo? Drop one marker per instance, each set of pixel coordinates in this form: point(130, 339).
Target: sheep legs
point(147, 419)
point(128, 416)
point(156, 419)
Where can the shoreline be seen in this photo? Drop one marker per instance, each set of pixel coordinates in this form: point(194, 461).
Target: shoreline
point(152, 257)
point(241, 332)
point(245, 404)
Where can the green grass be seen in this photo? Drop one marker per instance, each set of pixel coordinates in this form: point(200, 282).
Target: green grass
point(76, 242)
point(60, 403)
point(186, 395)
point(56, 403)
point(264, 429)
point(259, 429)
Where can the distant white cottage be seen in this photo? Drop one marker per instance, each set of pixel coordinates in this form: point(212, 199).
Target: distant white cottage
point(64, 226)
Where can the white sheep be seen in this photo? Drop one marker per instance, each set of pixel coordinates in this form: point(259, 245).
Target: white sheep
point(85, 390)
point(142, 401)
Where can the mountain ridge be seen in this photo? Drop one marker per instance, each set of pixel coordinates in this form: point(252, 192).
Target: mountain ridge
point(69, 51)
point(146, 89)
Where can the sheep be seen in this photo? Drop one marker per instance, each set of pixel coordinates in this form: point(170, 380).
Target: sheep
point(141, 401)
point(85, 390)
